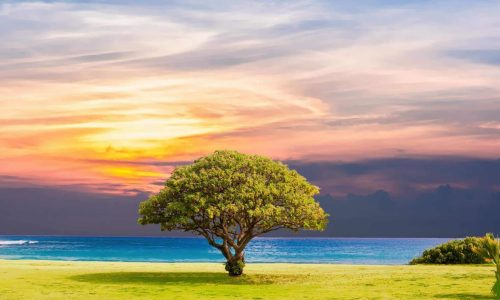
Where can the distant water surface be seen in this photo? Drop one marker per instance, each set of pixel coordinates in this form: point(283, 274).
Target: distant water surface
point(383, 251)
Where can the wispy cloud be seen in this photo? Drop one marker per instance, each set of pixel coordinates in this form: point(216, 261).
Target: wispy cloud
point(93, 81)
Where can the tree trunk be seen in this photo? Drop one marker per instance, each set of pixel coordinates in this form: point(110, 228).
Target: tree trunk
point(235, 265)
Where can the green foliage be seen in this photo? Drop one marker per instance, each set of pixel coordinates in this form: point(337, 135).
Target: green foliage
point(230, 198)
point(452, 252)
point(489, 250)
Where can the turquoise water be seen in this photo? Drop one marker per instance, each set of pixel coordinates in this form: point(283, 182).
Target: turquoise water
point(385, 251)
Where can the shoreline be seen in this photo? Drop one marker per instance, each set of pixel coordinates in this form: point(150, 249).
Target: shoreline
point(257, 238)
point(221, 263)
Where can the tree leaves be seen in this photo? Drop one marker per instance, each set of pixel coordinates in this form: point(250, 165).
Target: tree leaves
point(234, 197)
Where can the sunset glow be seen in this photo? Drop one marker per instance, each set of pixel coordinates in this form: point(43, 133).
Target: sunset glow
point(105, 97)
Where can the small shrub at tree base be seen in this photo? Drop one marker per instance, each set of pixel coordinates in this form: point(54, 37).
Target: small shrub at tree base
point(452, 252)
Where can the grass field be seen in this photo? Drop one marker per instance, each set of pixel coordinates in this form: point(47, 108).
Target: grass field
point(107, 280)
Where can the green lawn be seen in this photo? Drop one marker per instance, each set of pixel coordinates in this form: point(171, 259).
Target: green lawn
point(103, 280)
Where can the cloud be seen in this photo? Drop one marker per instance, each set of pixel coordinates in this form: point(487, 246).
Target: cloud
point(482, 56)
point(401, 175)
point(170, 81)
point(430, 211)
point(443, 211)
point(62, 212)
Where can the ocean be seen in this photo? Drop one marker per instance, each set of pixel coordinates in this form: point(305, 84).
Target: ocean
point(379, 251)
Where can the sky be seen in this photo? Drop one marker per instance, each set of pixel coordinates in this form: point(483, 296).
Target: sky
point(109, 96)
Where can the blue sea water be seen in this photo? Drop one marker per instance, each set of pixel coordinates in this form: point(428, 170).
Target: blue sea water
point(383, 251)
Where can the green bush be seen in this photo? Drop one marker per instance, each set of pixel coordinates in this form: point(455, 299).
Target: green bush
point(452, 252)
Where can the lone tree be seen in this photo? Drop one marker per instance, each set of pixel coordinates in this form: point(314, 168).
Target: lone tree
point(231, 198)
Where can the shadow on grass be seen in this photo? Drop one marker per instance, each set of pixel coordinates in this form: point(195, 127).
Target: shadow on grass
point(178, 278)
point(463, 296)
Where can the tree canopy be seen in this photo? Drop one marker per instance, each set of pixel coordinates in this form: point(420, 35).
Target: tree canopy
point(230, 198)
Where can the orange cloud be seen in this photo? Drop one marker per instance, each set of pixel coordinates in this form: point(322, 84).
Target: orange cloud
point(85, 87)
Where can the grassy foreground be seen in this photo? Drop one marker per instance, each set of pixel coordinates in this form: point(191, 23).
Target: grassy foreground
point(107, 280)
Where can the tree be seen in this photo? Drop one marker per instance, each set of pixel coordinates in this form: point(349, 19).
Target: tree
point(489, 249)
point(230, 198)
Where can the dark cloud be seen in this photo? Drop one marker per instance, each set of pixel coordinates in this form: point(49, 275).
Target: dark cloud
point(410, 197)
point(482, 56)
point(13, 181)
point(211, 56)
point(99, 57)
point(9, 177)
point(401, 175)
point(441, 212)
point(64, 212)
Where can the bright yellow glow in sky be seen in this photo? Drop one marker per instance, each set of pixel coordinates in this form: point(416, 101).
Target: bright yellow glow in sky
point(97, 94)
